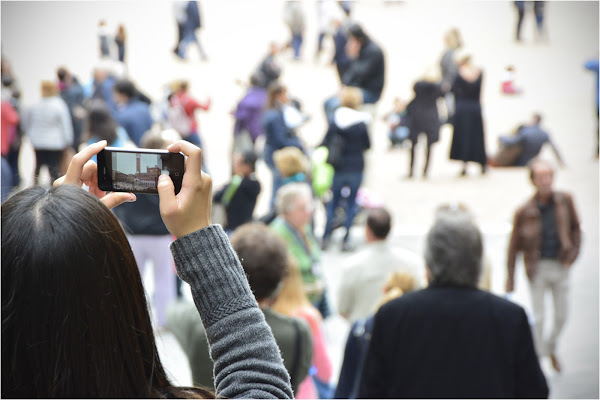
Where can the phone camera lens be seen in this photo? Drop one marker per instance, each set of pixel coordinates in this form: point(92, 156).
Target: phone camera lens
point(176, 173)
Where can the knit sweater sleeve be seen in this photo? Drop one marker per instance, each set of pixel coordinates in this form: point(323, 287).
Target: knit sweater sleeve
point(247, 362)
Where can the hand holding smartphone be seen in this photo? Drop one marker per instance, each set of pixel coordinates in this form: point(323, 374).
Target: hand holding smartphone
point(137, 170)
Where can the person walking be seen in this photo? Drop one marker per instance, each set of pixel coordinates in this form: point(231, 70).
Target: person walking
point(347, 139)
point(468, 142)
point(452, 340)
point(191, 24)
point(48, 126)
point(546, 230)
point(294, 18)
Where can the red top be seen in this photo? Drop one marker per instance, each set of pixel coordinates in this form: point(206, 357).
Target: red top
point(190, 105)
point(10, 119)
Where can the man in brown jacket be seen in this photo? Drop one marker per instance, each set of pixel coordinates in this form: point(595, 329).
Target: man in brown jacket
point(546, 230)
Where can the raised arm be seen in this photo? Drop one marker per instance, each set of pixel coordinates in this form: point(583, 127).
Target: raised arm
point(246, 358)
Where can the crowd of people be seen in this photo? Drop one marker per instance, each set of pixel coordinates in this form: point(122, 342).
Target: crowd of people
point(76, 322)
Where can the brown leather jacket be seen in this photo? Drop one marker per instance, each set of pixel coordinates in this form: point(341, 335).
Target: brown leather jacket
point(527, 235)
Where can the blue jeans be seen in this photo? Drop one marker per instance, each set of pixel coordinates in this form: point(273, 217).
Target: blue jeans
point(296, 43)
point(334, 102)
point(341, 179)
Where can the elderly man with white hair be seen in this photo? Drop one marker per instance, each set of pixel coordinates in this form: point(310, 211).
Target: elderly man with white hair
point(452, 340)
point(294, 203)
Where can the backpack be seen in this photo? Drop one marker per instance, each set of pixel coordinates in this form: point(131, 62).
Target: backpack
point(178, 119)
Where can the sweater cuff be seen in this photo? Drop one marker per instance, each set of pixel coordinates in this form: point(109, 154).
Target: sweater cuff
point(206, 260)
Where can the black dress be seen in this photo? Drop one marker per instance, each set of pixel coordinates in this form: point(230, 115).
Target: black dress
point(422, 112)
point(468, 142)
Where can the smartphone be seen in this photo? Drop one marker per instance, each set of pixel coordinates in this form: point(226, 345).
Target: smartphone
point(137, 170)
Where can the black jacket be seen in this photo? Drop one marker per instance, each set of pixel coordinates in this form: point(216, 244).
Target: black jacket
point(449, 342)
point(142, 217)
point(241, 206)
point(367, 71)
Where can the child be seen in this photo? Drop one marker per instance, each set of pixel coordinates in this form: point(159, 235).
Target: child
point(396, 120)
point(508, 82)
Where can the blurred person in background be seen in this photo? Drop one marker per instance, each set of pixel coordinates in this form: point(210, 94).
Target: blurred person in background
point(264, 258)
point(449, 68)
point(10, 122)
point(359, 337)
point(71, 92)
point(592, 65)
point(148, 236)
point(475, 344)
point(292, 302)
point(295, 208)
point(529, 138)
point(423, 118)
point(366, 69)
point(293, 16)
point(546, 230)
point(366, 272)
point(277, 134)
point(468, 139)
point(100, 125)
point(240, 194)
point(48, 126)
point(120, 41)
point(248, 115)
point(132, 114)
point(348, 138)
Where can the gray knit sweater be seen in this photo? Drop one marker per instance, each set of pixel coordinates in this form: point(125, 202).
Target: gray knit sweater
point(246, 358)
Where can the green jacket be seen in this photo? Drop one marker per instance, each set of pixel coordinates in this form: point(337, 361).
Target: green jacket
point(305, 257)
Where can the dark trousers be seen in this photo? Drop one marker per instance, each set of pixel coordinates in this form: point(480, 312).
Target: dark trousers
point(412, 157)
point(521, 13)
point(49, 158)
point(352, 180)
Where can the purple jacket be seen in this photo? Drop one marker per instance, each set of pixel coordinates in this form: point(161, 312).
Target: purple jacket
point(249, 112)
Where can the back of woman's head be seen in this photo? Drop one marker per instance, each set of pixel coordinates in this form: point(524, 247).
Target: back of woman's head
point(100, 124)
point(75, 322)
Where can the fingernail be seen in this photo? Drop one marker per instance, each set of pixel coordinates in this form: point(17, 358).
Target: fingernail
point(132, 198)
point(102, 142)
point(162, 177)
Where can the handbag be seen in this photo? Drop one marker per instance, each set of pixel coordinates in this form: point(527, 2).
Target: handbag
point(335, 144)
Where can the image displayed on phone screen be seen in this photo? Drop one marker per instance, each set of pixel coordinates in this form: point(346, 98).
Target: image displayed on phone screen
point(138, 172)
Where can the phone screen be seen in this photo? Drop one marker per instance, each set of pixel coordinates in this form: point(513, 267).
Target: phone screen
point(138, 170)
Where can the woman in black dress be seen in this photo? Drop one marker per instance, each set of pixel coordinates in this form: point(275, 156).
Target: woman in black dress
point(468, 142)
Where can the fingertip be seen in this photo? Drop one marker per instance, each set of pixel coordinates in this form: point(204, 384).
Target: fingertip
point(132, 197)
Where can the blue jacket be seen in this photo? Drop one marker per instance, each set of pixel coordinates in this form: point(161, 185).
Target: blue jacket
point(277, 134)
point(532, 138)
point(135, 118)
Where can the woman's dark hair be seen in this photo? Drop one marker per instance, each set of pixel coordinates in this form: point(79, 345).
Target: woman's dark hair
point(100, 123)
point(263, 255)
point(274, 90)
point(75, 321)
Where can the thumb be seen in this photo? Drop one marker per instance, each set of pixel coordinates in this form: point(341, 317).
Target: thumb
point(166, 194)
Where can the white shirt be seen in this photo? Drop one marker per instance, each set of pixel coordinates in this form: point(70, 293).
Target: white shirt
point(368, 271)
point(48, 124)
